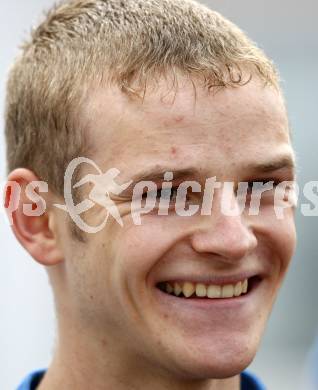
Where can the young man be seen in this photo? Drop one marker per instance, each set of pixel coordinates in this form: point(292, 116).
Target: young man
point(159, 92)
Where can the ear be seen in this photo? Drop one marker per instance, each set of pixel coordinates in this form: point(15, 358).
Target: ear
point(32, 223)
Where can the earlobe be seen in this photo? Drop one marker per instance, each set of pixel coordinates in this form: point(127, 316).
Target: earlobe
point(31, 222)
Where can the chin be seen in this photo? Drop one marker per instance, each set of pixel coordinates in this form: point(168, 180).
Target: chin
point(221, 369)
point(218, 361)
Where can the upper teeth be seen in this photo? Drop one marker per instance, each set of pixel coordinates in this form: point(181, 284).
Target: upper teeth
point(211, 291)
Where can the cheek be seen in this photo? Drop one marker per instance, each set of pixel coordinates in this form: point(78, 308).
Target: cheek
point(284, 234)
point(139, 247)
point(280, 238)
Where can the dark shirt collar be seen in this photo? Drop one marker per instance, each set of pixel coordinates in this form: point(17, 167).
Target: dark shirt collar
point(248, 381)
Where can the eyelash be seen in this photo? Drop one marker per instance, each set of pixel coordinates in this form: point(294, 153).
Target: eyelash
point(264, 181)
point(159, 192)
point(174, 189)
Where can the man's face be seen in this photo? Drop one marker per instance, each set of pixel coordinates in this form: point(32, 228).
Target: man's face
point(114, 276)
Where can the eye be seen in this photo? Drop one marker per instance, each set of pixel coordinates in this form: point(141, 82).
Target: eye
point(258, 184)
point(167, 193)
point(267, 189)
point(162, 193)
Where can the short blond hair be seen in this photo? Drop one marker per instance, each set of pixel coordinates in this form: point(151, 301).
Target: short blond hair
point(82, 43)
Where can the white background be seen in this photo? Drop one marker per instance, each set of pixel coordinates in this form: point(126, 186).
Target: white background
point(288, 32)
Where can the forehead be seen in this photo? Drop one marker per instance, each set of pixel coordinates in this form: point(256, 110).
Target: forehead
point(187, 126)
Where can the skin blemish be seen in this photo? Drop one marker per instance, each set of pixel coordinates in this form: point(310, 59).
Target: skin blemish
point(173, 121)
point(173, 151)
point(104, 342)
point(179, 118)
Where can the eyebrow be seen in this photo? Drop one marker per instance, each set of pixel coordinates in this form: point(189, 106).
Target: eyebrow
point(283, 162)
point(156, 174)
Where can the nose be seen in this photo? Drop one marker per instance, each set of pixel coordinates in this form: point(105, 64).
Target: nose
point(229, 237)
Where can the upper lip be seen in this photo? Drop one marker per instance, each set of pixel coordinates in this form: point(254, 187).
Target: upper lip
point(213, 279)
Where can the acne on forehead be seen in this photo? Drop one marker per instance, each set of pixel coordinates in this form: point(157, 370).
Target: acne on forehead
point(173, 151)
point(174, 121)
point(228, 112)
point(237, 109)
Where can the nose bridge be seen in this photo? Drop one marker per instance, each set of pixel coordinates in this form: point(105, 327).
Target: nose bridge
point(224, 235)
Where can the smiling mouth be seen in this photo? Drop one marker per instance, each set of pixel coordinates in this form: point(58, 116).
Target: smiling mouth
point(211, 291)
